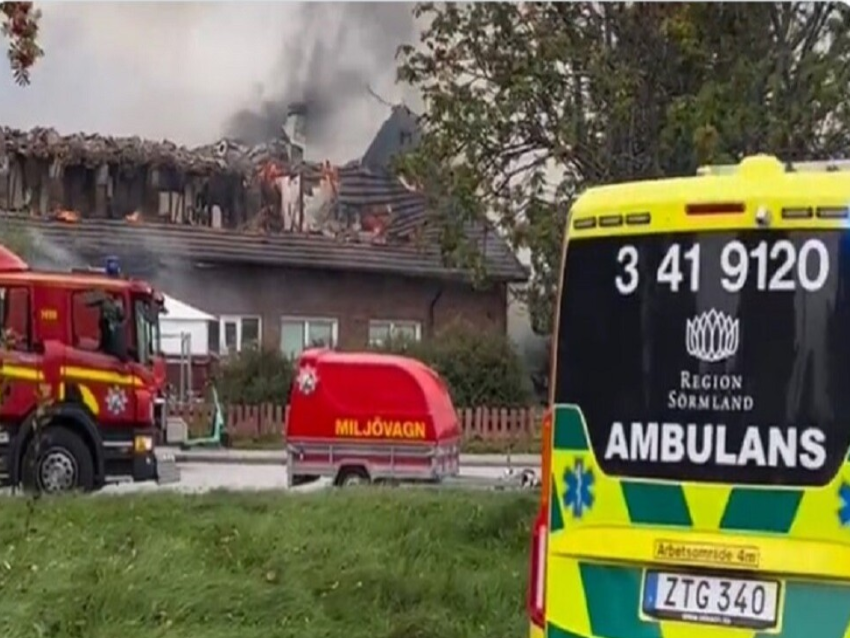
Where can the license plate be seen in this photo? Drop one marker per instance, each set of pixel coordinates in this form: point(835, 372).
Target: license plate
point(733, 602)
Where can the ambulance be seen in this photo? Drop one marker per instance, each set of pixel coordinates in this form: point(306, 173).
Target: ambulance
point(696, 479)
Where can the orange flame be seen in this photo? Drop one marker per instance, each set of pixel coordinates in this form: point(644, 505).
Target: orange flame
point(67, 216)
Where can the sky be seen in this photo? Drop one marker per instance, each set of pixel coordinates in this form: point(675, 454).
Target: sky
point(183, 71)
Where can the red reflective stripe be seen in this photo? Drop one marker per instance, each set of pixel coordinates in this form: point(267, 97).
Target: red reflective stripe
point(715, 208)
point(536, 602)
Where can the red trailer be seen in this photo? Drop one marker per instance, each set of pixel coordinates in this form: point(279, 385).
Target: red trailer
point(367, 417)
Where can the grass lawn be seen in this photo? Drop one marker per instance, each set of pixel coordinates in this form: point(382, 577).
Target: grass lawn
point(370, 563)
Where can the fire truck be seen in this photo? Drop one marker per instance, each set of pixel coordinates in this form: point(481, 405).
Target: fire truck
point(81, 382)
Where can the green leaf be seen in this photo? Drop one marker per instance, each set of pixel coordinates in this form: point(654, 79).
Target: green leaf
point(528, 104)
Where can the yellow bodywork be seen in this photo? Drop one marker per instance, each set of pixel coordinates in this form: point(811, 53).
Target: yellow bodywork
point(73, 374)
point(760, 183)
point(595, 562)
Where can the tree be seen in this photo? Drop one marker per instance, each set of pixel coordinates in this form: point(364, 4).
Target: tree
point(479, 367)
point(20, 26)
point(527, 104)
point(252, 377)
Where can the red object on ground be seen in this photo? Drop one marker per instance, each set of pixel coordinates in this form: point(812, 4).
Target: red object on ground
point(377, 416)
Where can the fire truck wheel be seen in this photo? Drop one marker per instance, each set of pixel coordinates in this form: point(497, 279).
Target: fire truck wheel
point(60, 463)
point(351, 475)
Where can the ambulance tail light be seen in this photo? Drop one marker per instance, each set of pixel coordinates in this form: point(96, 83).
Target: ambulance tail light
point(715, 208)
point(539, 535)
point(537, 572)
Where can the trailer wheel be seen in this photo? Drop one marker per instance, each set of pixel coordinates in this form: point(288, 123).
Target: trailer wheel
point(351, 475)
point(60, 462)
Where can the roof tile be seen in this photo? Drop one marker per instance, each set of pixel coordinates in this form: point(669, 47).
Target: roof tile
point(97, 238)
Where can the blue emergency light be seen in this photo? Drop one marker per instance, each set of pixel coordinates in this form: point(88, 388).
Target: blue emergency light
point(112, 268)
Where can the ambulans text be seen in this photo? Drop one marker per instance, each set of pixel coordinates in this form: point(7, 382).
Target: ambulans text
point(708, 444)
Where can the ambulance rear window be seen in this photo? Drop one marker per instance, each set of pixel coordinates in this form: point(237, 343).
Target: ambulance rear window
point(711, 357)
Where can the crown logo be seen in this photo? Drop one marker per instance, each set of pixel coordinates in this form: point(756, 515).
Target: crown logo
point(712, 336)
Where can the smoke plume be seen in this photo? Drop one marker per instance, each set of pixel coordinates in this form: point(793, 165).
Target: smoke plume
point(42, 253)
point(192, 72)
point(340, 51)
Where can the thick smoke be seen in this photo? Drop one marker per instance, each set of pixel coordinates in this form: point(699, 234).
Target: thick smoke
point(44, 254)
point(192, 72)
point(342, 51)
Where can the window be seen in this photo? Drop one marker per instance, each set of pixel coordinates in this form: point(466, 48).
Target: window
point(147, 330)
point(85, 322)
point(380, 331)
point(237, 333)
point(87, 312)
point(297, 333)
point(15, 313)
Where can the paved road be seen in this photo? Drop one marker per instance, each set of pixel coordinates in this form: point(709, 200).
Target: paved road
point(277, 457)
point(265, 471)
point(203, 477)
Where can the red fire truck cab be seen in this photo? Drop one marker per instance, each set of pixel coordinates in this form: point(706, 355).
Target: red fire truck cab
point(368, 417)
point(80, 378)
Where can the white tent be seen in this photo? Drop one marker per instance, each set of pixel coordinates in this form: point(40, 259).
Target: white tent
point(183, 321)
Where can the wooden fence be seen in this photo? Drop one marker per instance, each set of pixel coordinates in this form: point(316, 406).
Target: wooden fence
point(267, 421)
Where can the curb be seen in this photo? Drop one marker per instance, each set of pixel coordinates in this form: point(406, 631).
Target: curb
point(259, 458)
point(219, 459)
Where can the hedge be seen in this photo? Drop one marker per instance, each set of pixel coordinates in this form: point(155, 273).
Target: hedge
point(479, 368)
point(253, 377)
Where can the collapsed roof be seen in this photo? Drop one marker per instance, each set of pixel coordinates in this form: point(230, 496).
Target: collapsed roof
point(93, 150)
point(371, 220)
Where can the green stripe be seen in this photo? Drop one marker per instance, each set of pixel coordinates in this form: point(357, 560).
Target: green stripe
point(568, 429)
point(764, 510)
point(814, 611)
point(553, 631)
point(656, 504)
point(556, 515)
point(613, 598)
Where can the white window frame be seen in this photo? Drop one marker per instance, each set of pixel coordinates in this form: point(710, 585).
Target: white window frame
point(305, 323)
point(237, 319)
point(393, 323)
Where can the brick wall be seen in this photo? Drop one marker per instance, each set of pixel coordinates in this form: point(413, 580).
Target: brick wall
point(350, 297)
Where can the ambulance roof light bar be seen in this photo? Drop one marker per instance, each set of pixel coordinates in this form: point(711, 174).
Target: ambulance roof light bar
point(824, 166)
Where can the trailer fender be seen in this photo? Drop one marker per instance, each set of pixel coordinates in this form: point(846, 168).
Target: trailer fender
point(75, 417)
point(357, 469)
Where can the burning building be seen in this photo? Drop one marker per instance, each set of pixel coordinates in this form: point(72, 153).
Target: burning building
point(343, 250)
